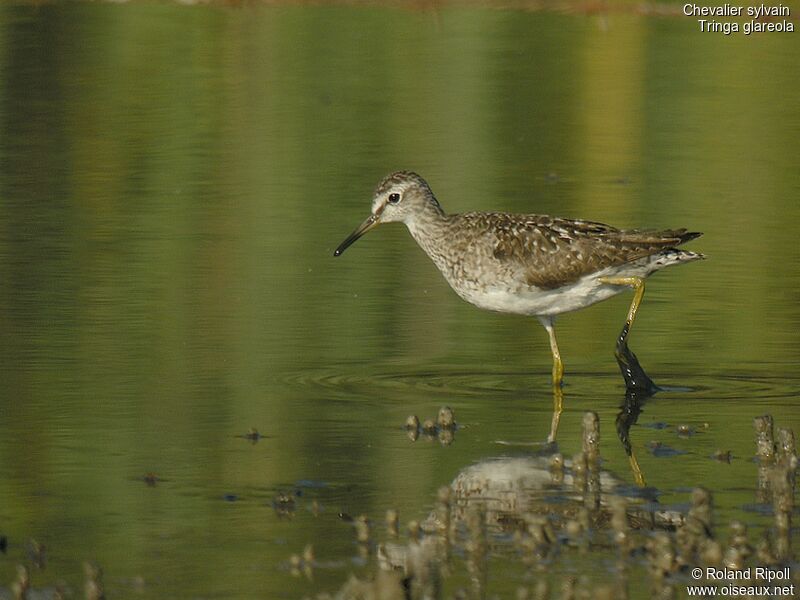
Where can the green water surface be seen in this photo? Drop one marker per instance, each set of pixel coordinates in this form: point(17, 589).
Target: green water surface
point(174, 180)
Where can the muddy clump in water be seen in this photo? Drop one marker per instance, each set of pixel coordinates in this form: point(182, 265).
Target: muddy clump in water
point(539, 511)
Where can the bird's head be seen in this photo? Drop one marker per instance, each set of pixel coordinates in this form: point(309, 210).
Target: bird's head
point(401, 196)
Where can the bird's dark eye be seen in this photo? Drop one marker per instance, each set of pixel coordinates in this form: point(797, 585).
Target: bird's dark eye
point(394, 198)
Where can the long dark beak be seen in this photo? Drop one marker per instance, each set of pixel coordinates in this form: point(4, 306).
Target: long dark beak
point(370, 222)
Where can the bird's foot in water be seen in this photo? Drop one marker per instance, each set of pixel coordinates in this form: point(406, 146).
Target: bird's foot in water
point(636, 380)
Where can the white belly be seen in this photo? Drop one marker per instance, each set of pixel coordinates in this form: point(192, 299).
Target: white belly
point(513, 297)
point(534, 301)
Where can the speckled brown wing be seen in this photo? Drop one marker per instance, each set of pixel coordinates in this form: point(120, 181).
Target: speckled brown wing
point(550, 252)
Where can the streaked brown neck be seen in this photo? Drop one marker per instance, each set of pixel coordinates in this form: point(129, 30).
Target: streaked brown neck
point(429, 228)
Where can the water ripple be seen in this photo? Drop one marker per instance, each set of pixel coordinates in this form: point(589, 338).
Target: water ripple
point(461, 381)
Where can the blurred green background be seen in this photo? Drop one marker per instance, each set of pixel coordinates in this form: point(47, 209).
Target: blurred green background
point(174, 179)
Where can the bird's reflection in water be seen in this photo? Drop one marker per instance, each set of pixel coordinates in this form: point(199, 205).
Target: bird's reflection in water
point(541, 506)
point(569, 495)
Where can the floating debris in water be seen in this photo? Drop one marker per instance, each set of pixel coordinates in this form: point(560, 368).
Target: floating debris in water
point(387, 585)
point(414, 530)
point(284, 504)
point(786, 448)
point(546, 510)
point(443, 510)
point(547, 507)
point(782, 479)
point(477, 548)
point(765, 442)
point(446, 418)
point(295, 565)
point(59, 592)
point(392, 523)
point(303, 564)
point(252, 435)
point(22, 585)
point(37, 553)
point(696, 531)
point(446, 436)
point(662, 563)
point(93, 588)
point(542, 590)
point(620, 526)
point(429, 427)
point(591, 438)
point(722, 456)
point(363, 529)
point(443, 427)
point(557, 468)
point(739, 549)
point(412, 422)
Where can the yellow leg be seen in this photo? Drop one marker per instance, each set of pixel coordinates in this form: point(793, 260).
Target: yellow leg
point(558, 407)
point(638, 476)
point(624, 356)
point(558, 375)
point(558, 366)
point(637, 283)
